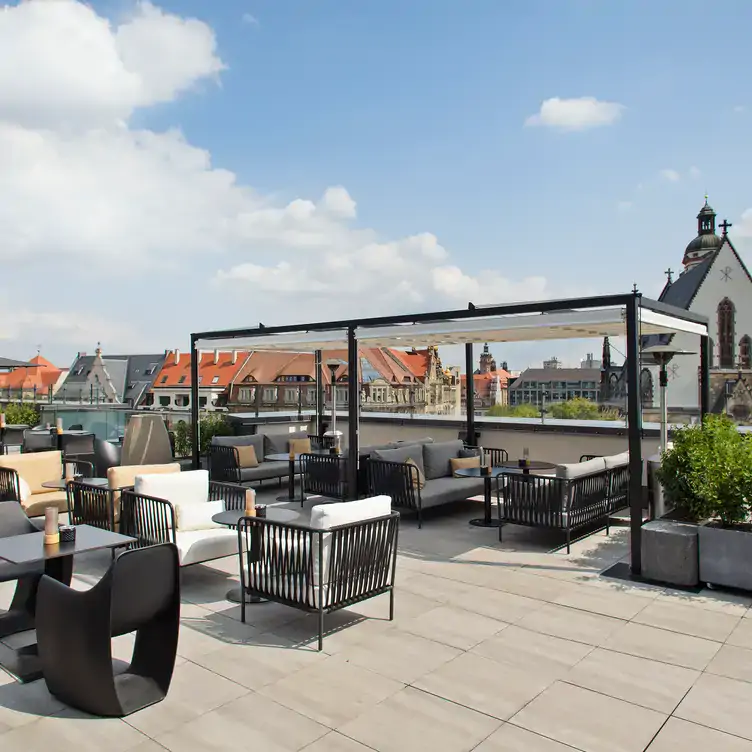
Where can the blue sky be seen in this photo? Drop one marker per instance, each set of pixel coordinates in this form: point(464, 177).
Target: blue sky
point(418, 109)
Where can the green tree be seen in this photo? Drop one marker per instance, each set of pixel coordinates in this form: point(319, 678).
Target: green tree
point(514, 411)
point(576, 409)
point(21, 414)
point(211, 424)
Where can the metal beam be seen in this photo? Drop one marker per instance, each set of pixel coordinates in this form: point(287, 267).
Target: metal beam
point(470, 394)
point(195, 456)
point(319, 376)
point(353, 414)
point(704, 376)
point(634, 431)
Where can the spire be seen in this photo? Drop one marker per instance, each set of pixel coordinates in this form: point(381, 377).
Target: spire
point(606, 355)
point(706, 219)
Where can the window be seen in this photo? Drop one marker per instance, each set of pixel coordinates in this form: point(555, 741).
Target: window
point(247, 394)
point(182, 400)
point(164, 401)
point(726, 333)
point(311, 395)
point(745, 352)
point(291, 395)
point(270, 394)
point(202, 401)
point(181, 380)
point(646, 388)
point(215, 380)
point(163, 380)
point(150, 370)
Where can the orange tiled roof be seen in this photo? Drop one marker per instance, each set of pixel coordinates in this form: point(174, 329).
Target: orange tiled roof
point(416, 361)
point(42, 375)
point(225, 370)
point(501, 374)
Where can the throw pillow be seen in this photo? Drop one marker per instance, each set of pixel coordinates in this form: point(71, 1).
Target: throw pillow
point(198, 516)
point(246, 456)
point(418, 481)
point(460, 463)
point(24, 489)
point(300, 446)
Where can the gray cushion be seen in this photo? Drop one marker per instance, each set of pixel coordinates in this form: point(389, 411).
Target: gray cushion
point(447, 490)
point(256, 441)
point(474, 452)
point(580, 469)
point(412, 452)
point(398, 444)
point(367, 451)
point(279, 443)
point(616, 460)
point(436, 458)
point(265, 471)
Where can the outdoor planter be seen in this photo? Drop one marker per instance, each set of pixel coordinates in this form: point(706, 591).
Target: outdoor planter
point(726, 556)
point(669, 553)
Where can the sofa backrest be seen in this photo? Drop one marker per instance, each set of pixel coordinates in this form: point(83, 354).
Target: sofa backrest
point(187, 487)
point(616, 460)
point(398, 444)
point(574, 470)
point(436, 458)
point(35, 468)
point(279, 443)
point(124, 476)
point(256, 440)
point(412, 452)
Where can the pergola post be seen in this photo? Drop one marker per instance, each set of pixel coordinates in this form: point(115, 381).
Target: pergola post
point(704, 376)
point(194, 405)
point(634, 431)
point(470, 394)
point(353, 413)
point(319, 376)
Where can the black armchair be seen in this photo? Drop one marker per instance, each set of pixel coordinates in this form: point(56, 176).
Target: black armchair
point(323, 475)
point(9, 490)
point(38, 441)
point(11, 436)
point(91, 505)
point(106, 455)
point(140, 593)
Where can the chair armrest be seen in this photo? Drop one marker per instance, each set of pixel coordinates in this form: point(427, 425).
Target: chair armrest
point(147, 518)
point(84, 467)
point(231, 493)
point(395, 479)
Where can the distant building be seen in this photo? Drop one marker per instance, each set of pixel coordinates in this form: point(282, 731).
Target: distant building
point(38, 382)
point(490, 383)
point(112, 379)
point(536, 386)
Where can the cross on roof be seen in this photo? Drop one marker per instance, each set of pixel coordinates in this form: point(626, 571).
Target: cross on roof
point(669, 274)
point(725, 225)
point(634, 288)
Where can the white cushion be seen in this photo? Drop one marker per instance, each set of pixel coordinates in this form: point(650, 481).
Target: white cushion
point(177, 488)
point(194, 516)
point(24, 489)
point(580, 469)
point(616, 460)
point(195, 546)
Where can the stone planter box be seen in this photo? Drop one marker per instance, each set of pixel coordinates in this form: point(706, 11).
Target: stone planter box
point(669, 553)
point(725, 557)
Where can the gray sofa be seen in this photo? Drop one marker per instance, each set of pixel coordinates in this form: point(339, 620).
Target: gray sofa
point(223, 465)
point(389, 473)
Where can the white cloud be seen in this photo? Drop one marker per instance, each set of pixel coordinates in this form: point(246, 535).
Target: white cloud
point(576, 114)
point(146, 215)
point(250, 19)
point(671, 175)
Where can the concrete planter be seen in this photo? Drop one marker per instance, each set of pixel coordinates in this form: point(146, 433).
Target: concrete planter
point(669, 553)
point(725, 557)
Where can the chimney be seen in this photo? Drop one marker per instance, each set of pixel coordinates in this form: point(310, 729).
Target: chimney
point(234, 357)
point(216, 357)
point(177, 357)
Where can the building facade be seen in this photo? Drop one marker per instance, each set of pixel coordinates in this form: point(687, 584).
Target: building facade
point(490, 383)
point(539, 386)
point(37, 382)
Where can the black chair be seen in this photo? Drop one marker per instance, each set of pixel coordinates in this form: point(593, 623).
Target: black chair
point(106, 455)
point(12, 436)
point(323, 475)
point(76, 427)
point(91, 505)
point(139, 593)
point(77, 444)
point(495, 457)
point(39, 441)
point(9, 490)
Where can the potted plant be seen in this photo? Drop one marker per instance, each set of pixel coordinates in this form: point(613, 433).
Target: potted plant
point(708, 476)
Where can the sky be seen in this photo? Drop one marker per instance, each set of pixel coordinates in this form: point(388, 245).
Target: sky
point(184, 166)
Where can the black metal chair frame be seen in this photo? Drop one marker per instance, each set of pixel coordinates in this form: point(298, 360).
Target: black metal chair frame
point(278, 562)
point(91, 505)
point(14, 433)
point(400, 480)
point(75, 630)
point(323, 475)
point(151, 520)
point(9, 486)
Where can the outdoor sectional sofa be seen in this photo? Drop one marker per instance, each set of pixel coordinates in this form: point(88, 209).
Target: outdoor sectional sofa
point(582, 494)
point(390, 473)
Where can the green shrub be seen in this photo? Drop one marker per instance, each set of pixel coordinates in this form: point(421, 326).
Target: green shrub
point(210, 425)
point(580, 408)
point(708, 472)
point(513, 411)
point(21, 414)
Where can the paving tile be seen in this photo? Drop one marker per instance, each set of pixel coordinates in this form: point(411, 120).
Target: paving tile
point(661, 645)
point(497, 604)
point(719, 703)
point(454, 626)
point(201, 631)
point(511, 738)
point(335, 742)
point(653, 685)
point(713, 600)
point(571, 624)
point(267, 661)
point(252, 722)
point(24, 703)
point(742, 634)
point(604, 602)
point(532, 651)
point(407, 605)
point(730, 661)
point(689, 620)
point(400, 655)
point(332, 692)
point(485, 685)
point(193, 692)
point(689, 737)
point(72, 731)
point(414, 720)
point(589, 721)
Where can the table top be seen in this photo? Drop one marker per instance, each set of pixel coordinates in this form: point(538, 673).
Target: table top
point(62, 484)
point(474, 472)
point(285, 456)
point(531, 465)
point(24, 549)
point(275, 514)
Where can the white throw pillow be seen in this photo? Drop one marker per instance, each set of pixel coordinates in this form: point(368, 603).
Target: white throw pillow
point(191, 487)
point(24, 489)
point(194, 516)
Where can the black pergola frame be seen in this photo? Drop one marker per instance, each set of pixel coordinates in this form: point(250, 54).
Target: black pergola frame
point(632, 303)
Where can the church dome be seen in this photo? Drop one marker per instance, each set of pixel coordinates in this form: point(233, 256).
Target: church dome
point(706, 242)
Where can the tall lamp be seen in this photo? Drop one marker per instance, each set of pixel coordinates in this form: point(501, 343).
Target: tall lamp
point(333, 364)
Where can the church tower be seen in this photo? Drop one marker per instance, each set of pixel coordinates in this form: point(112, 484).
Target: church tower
point(706, 242)
point(487, 361)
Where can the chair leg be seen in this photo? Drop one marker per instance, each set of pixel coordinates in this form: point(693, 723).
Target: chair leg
point(569, 535)
point(321, 629)
point(391, 604)
point(420, 518)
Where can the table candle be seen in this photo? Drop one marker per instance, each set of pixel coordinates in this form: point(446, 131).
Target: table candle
point(2, 420)
point(51, 529)
point(59, 425)
point(70, 471)
point(250, 503)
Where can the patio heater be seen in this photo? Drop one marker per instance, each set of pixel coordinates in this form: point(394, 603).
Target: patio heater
point(336, 436)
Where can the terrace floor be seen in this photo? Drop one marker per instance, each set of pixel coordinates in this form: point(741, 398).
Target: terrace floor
point(494, 648)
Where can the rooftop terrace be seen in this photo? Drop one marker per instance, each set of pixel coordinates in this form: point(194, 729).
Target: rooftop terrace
point(495, 647)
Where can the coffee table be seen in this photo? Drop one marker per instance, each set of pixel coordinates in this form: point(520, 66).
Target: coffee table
point(62, 484)
point(475, 472)
point(293, 460)
point(528, 466)
point(58, 563)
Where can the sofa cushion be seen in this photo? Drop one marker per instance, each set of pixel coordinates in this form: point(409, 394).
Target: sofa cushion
point(265, 471)
point(574, 470)
point(245, 456)
point(35, 468)
point(191, 487)
point(470, 452)
point(461, 463)
point(403, 442)
point(436, 458)
point(195, 546)
point(368, 451)
point(35, 505)
point(616, 460)
point(24, 489)
point(300, 446)
point(198, 516)
point(418, 480)
point(279, 443)
point(256, 441)
point(125, 475)
point(412, 452)
point(447, 490)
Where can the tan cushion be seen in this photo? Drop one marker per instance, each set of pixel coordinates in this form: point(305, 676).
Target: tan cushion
point(35, 467)
point(420, 481)
point(461, 463)
point(300, 446)
point(35, 505)
point(125, 475)
point(246, 456)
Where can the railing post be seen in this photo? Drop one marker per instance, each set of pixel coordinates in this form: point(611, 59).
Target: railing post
point(634, 431)
point(353, 414)
point(195, 453)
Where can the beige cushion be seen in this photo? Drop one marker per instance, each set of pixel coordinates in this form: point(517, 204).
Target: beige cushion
point(124, 476)
point(246, 456)
point(23, 489)
point(35, 505)
point(194, 516)
point(300, 446)
point(460, 463)
point(35, 468)
point(574, 470)
point(616, 460)
point(420, 481)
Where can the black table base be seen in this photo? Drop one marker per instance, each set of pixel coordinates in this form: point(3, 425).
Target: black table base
point(234, 596)
point(483, 522)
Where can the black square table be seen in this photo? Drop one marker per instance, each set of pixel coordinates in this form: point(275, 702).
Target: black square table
point(58, 563)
